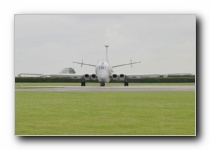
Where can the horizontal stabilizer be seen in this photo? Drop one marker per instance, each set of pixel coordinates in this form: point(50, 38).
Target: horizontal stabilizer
point(81, 63)
point(131, 63)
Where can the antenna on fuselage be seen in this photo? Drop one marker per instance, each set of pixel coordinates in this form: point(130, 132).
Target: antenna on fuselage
point(106, 52)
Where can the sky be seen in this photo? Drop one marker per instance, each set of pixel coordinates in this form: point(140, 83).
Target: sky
point(49, 43)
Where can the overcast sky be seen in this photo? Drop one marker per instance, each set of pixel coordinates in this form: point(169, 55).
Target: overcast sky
point(49, 43)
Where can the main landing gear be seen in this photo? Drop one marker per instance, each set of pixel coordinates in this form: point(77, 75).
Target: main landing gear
point(126, 83)
point(83, 83)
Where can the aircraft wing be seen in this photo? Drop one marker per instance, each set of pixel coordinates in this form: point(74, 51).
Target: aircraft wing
point(141, 76)
point(61, 75)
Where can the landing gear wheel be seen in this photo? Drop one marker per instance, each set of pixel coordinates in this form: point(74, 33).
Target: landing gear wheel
point(83, 83)
point(126, 83)
point(102, 84)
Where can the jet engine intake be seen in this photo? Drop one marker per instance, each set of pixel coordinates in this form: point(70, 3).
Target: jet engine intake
point(93, 77)
point(122, 76)
point(114, 76)
point(87, 76)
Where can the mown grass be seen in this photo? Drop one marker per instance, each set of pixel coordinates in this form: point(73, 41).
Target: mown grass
point(104, 113)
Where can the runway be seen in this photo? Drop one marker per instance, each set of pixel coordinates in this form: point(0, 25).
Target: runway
point(107, 88)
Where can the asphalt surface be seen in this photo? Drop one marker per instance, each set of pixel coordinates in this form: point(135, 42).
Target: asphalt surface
point(108, 88)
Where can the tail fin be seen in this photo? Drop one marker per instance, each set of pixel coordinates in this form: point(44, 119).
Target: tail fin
point(107, 53)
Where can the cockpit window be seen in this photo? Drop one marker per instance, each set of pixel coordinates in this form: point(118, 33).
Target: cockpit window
point(102, 67)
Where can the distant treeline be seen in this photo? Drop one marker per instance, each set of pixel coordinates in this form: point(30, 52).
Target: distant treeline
point(170, 79)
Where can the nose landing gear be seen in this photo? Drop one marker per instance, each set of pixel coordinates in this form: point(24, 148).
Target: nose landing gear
point(102, 84)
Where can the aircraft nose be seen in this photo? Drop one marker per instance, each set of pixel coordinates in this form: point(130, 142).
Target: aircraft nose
point(102, 75)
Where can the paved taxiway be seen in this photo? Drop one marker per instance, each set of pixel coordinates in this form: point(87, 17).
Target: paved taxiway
point(108, 88)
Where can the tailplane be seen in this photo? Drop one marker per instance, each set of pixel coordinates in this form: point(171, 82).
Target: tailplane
point(81, 63)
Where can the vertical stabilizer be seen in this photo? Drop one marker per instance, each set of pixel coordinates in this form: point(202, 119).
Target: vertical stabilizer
point(107, 53)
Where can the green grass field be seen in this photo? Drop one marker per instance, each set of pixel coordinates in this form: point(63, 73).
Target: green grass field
point(104, 113)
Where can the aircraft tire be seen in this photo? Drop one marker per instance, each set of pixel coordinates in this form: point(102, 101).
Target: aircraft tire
point(82, 83)
point(125, 83)
point(102, 84)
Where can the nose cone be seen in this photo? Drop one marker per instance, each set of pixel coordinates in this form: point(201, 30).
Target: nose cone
point(103, 76)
